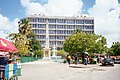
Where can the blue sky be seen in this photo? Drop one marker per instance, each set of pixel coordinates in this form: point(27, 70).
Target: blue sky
point(105, 12)
point(11, 9)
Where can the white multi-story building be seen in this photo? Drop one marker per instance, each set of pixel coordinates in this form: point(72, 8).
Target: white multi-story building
point(59, 28)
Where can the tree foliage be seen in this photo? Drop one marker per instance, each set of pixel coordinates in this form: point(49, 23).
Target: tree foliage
point(25, 40)
point(81, 42)
point(24, 27)
point(33, 42)
point(61, 53)
point(114, 50)
point(21, 42)
point(39, 53)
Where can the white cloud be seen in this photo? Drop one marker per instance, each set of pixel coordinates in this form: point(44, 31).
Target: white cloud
point(35, 8)
point(25, 3)
point(107, 22)
point(63, 7)
point(53, 7)
point(7, 26)
point(2, 34)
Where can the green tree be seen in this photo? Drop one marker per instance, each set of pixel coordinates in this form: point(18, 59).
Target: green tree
point(25, 40)
point(38, 53)
point(24, 27)
point(21, 42)
point(33, 42)
point(74, 43)
point(61, 53)
point(81, 42)
point(115, 49)
point(100, 46)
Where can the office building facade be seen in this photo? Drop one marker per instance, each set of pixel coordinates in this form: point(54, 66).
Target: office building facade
point(59, 28)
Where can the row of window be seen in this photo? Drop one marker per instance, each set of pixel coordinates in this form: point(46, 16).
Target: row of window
point(51, 37)
point(37, 20)
point(70, 21)
point(41, 37)
point(38, 25)
point(53, 42)
point(56, 43)
point(88, 27)
point(66, 27)
point(60, 31)
point(39, 31)
point(63, 26)
point(58, 37)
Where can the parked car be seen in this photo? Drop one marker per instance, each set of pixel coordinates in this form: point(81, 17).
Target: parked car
point(117, 61)
point(108, 61)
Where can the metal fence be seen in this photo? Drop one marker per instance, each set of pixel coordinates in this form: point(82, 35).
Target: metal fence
point(28, 59)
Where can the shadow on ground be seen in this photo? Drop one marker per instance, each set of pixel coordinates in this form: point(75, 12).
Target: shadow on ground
point(79, 66)
point(106, 65)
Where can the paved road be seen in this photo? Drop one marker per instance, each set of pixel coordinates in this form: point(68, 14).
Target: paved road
point(60, 71)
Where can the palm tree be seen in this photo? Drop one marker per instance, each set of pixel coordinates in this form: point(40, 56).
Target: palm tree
point(24, 27)
point(21, 42)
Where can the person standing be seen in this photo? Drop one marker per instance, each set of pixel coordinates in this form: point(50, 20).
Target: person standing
point(68, 59)
point(76, 59)
point(86, 60)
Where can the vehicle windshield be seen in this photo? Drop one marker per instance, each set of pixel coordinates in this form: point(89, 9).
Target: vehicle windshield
point(108, 60)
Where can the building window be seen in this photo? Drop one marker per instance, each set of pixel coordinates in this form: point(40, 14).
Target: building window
point(32, 19)
point(41, 25)
point(51, 26)
point(70, 21)
point(59, 42)
point(60, 21)
point(52, 43)
point(52, 31)
point(89, 21)
point(60, 37)
point(60, 26)
point(70, 27)
point(34, 25)
point(41, 37)
point(89, 27)
point(60, 32)
point(39, 31)
point(92, 27)
point(52, 20)
point(69, 31)
point(41, 20)
point(52, 37)
point(79, 21)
